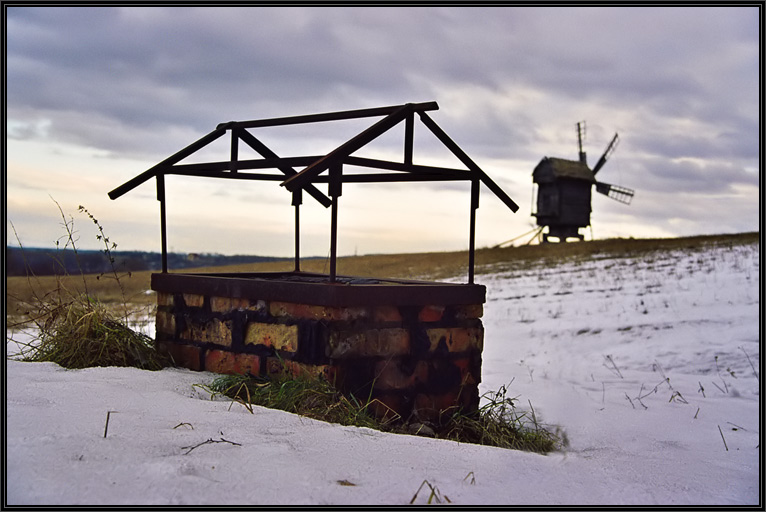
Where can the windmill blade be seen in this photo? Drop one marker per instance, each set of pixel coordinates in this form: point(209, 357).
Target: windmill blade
point(621, 194)
point(609, 150)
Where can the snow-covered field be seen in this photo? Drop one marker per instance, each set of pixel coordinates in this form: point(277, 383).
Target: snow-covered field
point(649, 365)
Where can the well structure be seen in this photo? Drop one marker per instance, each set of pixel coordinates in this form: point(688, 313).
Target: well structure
point(413, 348)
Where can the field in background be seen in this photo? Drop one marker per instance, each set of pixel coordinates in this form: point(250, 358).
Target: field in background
point(430, 266)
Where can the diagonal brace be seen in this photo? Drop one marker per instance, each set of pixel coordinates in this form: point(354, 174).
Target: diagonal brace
point(155, 170)
point(249, 139)
point(460, 154)
point(338, 154)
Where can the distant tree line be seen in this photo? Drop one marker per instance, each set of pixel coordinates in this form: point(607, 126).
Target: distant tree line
point(41, 262)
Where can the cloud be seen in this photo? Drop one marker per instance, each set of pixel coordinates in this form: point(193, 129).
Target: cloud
point(136, 84)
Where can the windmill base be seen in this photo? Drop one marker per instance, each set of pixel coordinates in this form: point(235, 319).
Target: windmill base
point(562, 233)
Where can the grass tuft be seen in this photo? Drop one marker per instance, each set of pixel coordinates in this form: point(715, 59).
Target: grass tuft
point(498, 423)
point(82, 334)
point(74, 329)
point(313, 398)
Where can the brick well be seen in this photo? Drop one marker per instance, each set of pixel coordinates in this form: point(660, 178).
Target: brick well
point(413, 346)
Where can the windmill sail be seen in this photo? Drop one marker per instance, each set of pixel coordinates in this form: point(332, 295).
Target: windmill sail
point(609, 150)
point(621, 194)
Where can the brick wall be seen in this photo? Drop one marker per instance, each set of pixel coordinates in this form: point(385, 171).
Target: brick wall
point(420, 362)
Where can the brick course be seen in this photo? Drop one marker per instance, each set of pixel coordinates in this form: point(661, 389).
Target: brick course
point(422, 361)
point(277, 336)
point(221, 361)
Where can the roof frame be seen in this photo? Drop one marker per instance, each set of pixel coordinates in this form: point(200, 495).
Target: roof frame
point(323, 168)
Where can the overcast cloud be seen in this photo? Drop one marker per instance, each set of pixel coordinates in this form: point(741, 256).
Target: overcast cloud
point(96, 95)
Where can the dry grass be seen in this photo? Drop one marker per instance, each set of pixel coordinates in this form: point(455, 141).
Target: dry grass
point(497, 423)
point(83, 334)
point(432, 266)
point(69, 325)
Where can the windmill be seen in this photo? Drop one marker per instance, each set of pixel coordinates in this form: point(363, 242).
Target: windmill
point(564, 191)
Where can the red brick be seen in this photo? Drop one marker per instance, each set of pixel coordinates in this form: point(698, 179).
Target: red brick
point(458, 339)
point(251, 305)
point(164, 299)
point(313, 312)
point(185, 356)
point(373, 342)
point(467, 311)
point(436, 408)
point(222, 361)
point(215, 331)
point(467, 377)
point(278, 336)
point(248, 363)
point(194, 300)
point(389, 374)
point(386, 314)
point(228, 304)
point(276, 366)
point(220, 304)
point(166, 323)
point(431, 314)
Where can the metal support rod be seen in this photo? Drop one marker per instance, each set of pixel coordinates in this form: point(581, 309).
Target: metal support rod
point(330, 116)
point(455, 149)
point(409, 126)
point(472, 235)
point(333, 238)
point(297, 238)
point(297, 200)
point(335, 190)
point(234, 149)
point(337, 155)
point(163, 223)
point(249, 139)
point(154, 171)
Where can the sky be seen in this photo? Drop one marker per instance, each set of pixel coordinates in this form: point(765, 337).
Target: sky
point(97, 95)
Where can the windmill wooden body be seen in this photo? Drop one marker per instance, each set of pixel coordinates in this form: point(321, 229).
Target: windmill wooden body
point(564, 192)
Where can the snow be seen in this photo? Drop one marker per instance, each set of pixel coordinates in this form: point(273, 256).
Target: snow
point(587, 344)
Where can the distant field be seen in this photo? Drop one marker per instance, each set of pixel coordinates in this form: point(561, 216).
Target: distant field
point(430, 266)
